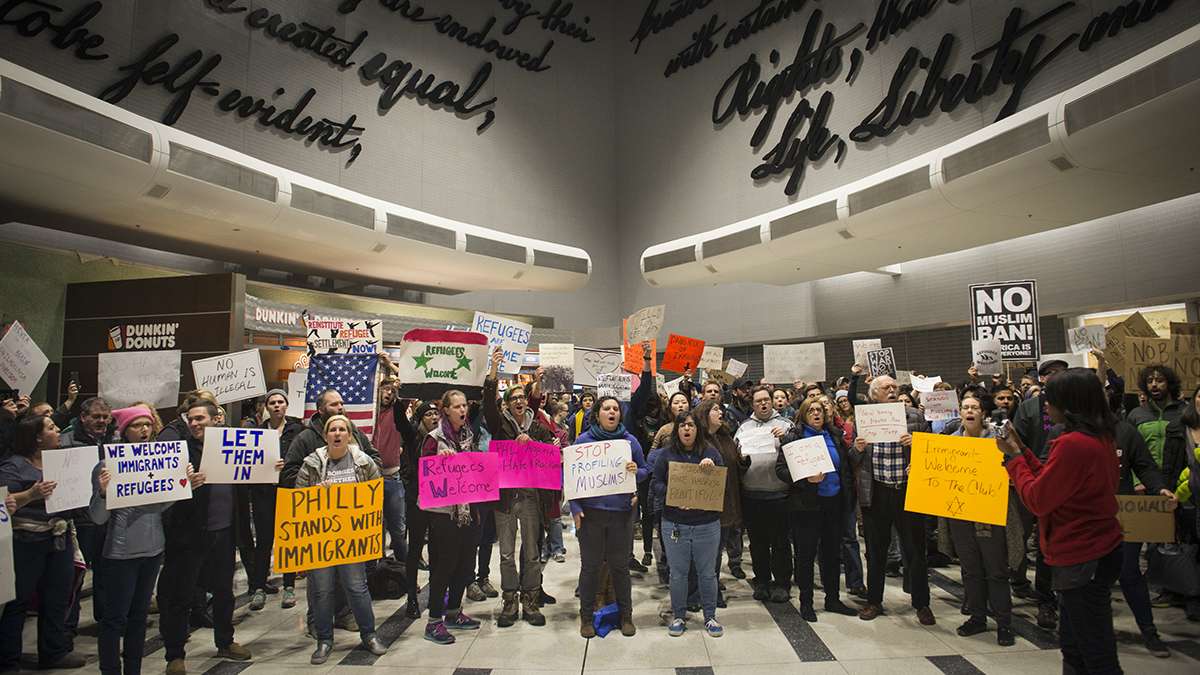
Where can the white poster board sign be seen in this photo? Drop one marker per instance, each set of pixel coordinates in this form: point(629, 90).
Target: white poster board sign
point(510, 335)
point(8, 573)
point(863, 347)
point(756, 440)
point(903, 377)
point(591, 363)
point(880, 422)
point(558, 367)
point(1007, 311)
point(1086, 338)
point(617, 385)
point(128, 377)
point(1072, 360)
point(987, 356)
point(21, 361)
point(671, 387)
point(940, 405)
point(231, 377)
point(644, 324)
point(711, 358)
point(736, 368)
point(790, 363)
point(808, 457)
point(333, 335)
point(233, 455)
point(598, 469)
point(72, 469)
point(146, 473)
point(297, 384)
point(923, 384)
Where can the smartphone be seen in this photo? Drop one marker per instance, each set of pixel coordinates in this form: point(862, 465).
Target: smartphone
point(1005, 427)
point(73, 378)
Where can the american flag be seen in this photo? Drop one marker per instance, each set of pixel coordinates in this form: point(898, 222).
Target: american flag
point(353, 376)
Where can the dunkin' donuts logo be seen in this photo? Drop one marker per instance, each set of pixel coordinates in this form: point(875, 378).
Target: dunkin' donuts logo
point(138, 336)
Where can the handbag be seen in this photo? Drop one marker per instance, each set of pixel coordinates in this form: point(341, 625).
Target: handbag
point(1174, 568)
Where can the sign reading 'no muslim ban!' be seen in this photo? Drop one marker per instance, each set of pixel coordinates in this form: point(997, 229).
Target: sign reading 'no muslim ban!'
point(434, 361)
point(1007, 311)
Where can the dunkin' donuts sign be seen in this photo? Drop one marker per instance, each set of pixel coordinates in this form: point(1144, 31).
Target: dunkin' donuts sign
point(142, 336)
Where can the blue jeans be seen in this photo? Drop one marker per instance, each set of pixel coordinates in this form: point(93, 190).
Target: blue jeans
point(689, 545)
point(42, 570)
point(128, 585)
point(393, 516)
point(321, 589)
point(553, 543)
point(851, 556)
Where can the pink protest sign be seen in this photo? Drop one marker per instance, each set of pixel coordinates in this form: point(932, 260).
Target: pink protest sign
point(465, 478)
point(528, 465)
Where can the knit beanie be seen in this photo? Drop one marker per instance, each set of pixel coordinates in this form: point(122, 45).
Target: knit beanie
point(422, 409)
point(125, 416)
point(276, 391)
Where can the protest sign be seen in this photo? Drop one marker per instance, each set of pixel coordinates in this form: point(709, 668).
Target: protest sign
point(880, 422)
point(711, 358)
point(232, 377)
point(940, 405)
point(924, 384)
point(682, 353)
point(146, 473)
point(21, 361)
point(72, 469)
point(986, 355)
point(881, 362)
point(528, 465)
point(465, 478)
point(1072, 360)
point(957, 477)
point(791, 363)
point(323, 526)
point(433, 361)
point(808, 457)
point(691, 486)
point(736, 368)
point(8, 572)
point(1146, 518)
point(1086, 338)
point(128, 377)
point(717, 376)
point(1115, 339)
point(589, 363)
point(672, 387)
point(756, 440)
point(617, 385)
point(330, 335)
point(597, 469)
point(234, 455)
point(1007, 311)
point(903, 377)
point(631, 353)
point(644, 324)
point(1181, 353)
point(864, 347)
point(558, 367)
point(510, 335)
point(297, 382)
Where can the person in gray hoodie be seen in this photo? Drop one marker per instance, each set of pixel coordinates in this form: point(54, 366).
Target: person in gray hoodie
point(763, 497)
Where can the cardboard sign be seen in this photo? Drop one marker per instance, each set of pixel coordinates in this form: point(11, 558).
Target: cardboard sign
point(232, 377)
point(940, 405)
point(1115, 344)
point(528, 465)
point(862, 348)
point(323, 526)
point(597, 469)
point(757, 440)
point(682, 353)
point(72, 469)
point(510, 335)
point(128, 377)
point(8, 571)
point(329, 335)
point(880, 422)
point(808, 457)
point(240, 455)
point(617, 385)
point(736, 368)
point(1180, 353)
point(791, 363)
point(631, 353)
point(1007, 311)
point(591, 363)
point(881, 362)
point(923, 384)
point(558, 367)
point(711, 358)
point(691, 486)
point(1086, 338)
point(644, 324)
point(297, 382)
point(957, 477)
point(464, 478)
point(21, 361)
point(1146, 518)
point(146, 473)
point(987, 356)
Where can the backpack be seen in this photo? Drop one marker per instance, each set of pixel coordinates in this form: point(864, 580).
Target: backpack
point(388, 581)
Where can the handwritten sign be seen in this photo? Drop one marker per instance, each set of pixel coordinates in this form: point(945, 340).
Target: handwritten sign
point(957, 477)
point(465, 478)
point(756, 440)
point(1115, 340)
point(789, 363)
point(644, 324)
point(808, 457)
point(631, 352)
point(529, 465)
point(691, 486)
point(711, 358)
point(597, 469)
point(864, 347)
point(146, 473)
point(558, 367)
point(940, 405)
point(232, 377)
point(330, 335)
point(1086, 338)
point(1146, 518)
point(736, 368)
point(670, 388)
point(8, 573)
point(72, 469)
point(881, 362)
point(924, 384)
point(1181, 353)
point(21, 361)
point(510, 335)
point(880, 422)
point(297, 383)
point(682, 353)
point(128, 377)
point(903, 377)
point(987, 357)
point(591, 363)
point(617, 385)
point(323, 526)
point(240, 455)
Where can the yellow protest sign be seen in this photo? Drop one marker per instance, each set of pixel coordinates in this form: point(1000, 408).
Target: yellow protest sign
point(322, 526)
point(957, 477)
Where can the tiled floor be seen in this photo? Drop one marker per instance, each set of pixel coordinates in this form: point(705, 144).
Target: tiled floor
point(758, 640)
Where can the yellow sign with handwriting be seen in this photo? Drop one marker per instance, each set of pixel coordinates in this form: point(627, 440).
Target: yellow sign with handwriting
point(323, 526)
point(957, 477)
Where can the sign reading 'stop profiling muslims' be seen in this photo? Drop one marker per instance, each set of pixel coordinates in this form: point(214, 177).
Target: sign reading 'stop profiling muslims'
point(1007, 311)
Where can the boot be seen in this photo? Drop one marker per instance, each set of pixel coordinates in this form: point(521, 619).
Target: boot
point(508, 612)
point(587, 624)
point(627, 627)
point(529, 608)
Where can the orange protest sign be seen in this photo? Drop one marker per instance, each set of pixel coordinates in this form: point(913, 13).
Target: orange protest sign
point(633, 354)
point(682, 353)
point(957, 477)
point(321, 526)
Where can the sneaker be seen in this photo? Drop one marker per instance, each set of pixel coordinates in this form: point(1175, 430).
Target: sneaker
point(234, 652)
point(288, 599)
point(488, 589)
point(737, 572)
point(808, 613)
point(637, 566)
point(1163, 600)
point(648, 559)
point(461, 621)
point(714, 629)
point(435, 631)
point(676, 628)
point(1154, 644)
point(258, 600)
point(971, 627)
point(270, 588)
point(1005, 637)
point(560, 557)
point(321, 654)
point(475, 593)
point(373, 645)
point(1047, 616)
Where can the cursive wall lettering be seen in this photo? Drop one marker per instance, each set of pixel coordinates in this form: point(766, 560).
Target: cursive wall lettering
point(390, 76)
point(556, 19)
point(304, 36)
point(325, 132)
point(766, 14)
point(892, 18)
point(1108, 24)
point(31, 17)
point(654, 22)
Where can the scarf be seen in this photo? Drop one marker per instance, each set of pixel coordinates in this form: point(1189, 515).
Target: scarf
point(463, 441)
point(598, 433)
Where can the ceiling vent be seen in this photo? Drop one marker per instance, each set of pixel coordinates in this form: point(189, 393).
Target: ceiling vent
point(904, 185)
point(157, 191)
point(416, 230)
point(50, 112)
point(731, 242)
point(1162, 76)
point(321, 204)
point(1016, 141)
point(661, 261)
point(559, 261)
point(804, 220)
point(222, 172)
point(495, 249)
